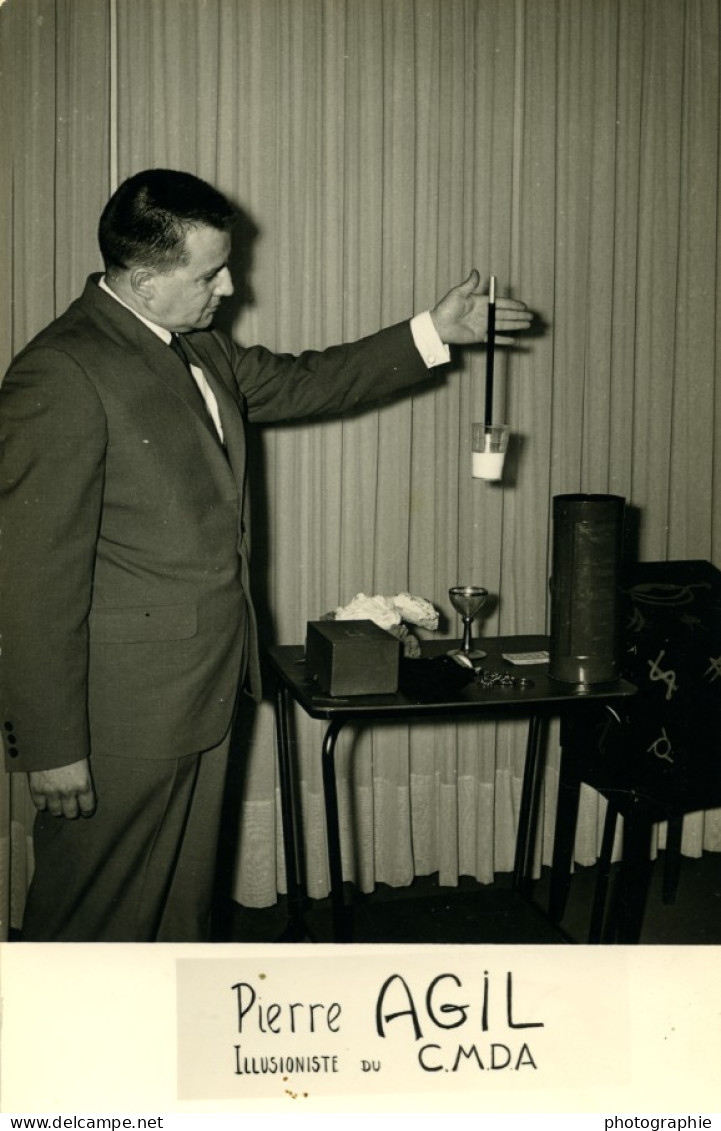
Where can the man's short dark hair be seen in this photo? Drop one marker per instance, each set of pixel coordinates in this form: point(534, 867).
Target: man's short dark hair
point(146, 219)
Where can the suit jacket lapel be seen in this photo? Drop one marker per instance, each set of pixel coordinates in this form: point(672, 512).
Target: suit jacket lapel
point(162, 364)
point(177, 377)
point(230, 417)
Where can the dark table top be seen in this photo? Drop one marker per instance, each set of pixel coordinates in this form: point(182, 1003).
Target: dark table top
point(421, 694)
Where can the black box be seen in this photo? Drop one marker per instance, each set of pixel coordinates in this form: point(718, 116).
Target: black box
point(352, 657)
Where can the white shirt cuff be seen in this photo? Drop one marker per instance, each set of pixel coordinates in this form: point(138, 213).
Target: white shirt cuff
point(429, 345)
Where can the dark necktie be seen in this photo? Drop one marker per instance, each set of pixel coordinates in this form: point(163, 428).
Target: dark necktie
point(176, 345)
point(178, 349)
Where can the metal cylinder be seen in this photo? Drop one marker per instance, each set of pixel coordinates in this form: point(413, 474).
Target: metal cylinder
point(585, 588)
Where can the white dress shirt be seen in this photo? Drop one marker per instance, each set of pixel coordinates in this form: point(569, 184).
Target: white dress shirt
point(429, 345)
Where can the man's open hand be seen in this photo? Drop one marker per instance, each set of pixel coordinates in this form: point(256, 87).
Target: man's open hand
point(461, 316)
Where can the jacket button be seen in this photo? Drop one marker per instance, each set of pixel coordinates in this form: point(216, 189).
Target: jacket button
point(13, 751)
point(9, 726)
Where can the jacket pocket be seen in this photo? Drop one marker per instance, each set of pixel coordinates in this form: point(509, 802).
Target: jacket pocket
point(144, 623)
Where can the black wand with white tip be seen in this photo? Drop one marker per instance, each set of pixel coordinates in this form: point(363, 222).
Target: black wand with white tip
point(490, 348)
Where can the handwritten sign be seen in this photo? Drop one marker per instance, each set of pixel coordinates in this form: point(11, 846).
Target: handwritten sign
point(391, 1020)
point(154, 1030)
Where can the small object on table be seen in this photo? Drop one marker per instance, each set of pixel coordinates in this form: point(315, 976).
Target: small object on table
point(488, 679)
point(433, 677)
point(390, 613)
point(352, 657)
point(468, 601)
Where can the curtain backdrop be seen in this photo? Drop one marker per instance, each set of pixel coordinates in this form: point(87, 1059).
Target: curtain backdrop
point(379, 150)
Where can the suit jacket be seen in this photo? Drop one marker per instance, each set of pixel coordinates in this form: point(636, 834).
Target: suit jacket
point(126, 612)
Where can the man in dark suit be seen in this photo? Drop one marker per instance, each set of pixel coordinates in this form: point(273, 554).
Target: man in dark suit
point(128, 626)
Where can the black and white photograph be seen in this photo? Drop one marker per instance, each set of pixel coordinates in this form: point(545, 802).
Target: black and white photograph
point(360, 559)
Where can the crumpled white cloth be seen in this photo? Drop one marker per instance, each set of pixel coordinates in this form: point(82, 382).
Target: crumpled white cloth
point(387, 612)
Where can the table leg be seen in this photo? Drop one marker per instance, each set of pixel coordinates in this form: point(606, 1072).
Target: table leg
point(569, 791)
point(296, 930)
point(600, 896)
point(341, 929)
point(527, 818)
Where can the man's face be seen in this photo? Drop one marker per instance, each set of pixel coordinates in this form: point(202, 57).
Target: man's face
point(188, 297)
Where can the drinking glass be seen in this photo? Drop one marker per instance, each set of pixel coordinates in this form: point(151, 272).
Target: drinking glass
point(467, 600)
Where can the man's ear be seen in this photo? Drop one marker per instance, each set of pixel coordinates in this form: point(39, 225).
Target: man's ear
point(142, 283)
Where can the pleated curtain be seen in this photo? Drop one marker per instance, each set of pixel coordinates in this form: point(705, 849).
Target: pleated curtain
point(379, 150)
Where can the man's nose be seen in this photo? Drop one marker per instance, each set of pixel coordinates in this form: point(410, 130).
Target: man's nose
point(224, 286)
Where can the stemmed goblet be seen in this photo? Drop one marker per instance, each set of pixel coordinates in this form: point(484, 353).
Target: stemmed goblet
point(467, 600)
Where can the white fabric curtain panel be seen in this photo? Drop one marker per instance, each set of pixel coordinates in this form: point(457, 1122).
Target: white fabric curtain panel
point(379, 150)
